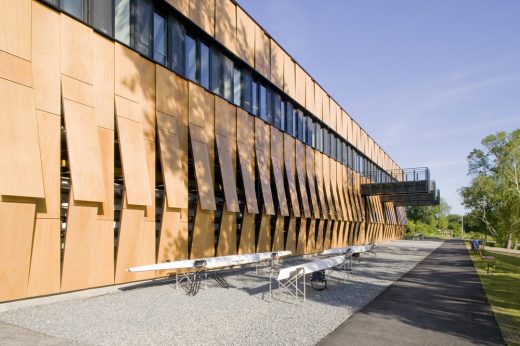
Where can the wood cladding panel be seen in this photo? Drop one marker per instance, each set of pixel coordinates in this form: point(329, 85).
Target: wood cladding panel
point(88, 255)
point(83, 152)
point(290, 244)
point(103, 80)
point(76, 49)
point(318, 164)
point(135, 81)
point(16, 236)
point(311, 180)
point(15, 69)
point(136, 245)
point(300, 85)
point(290, 170)
point(203, 244)
point(265, 181)
point(44, 275)
point(300, 171)
point(19, 147)
point(49, 126)
point(245, 37)
point(173, 240)
point(289, 83)
point(227, 239)
point(247, 234)
point(175, 179)
point(277, 65)
point(278, 239)
point(133, 160)
point(15, 26)
point(228, 178)
point(248, 177)
point(202, 13)
point(183, 6)
point(309, 94)
point(301, 241)
point(262, 53)
point(171, 95)
point(106, 145)
point(226, 24)
point(277, 166)
point(203, 175)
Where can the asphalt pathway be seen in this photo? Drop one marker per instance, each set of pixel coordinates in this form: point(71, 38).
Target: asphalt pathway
point(440, 302)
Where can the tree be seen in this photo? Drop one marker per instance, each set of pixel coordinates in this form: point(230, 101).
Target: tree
point(493, 195)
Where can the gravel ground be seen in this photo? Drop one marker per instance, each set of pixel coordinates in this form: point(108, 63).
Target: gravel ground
point(159, 314)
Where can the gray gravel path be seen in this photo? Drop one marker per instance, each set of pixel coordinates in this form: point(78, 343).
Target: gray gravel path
point(240, 315)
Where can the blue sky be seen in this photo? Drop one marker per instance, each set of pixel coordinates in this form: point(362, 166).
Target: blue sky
point(426, 79)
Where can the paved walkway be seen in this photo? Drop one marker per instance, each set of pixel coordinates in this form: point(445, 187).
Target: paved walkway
point(441, 301)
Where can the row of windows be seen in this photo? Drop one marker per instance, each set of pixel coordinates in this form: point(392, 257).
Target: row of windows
point(151, 28)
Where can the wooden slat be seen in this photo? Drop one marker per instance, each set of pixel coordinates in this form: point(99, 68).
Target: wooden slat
point(202, 13)
point(279, 184)
point(136, 245)
point(76, 50)
point(19, 147)
point(133, 159)
point(16, 236)
point(173, 240)
point(228, 179)
point(248, 177)
point(265, 181)
point(44, 275)
point(46, 58)
point(203, 175)
point(15, 26)
point(318, 164)
point(311, 180)
point(15, 69)
point(106, 145)
point(289, 84)
point(245, 37)
point(262, 61)
point(247, 234)
point(103, 80)
point(289, 158)
point(49, 127)
point(226, 24)
point(277, 65)
point(83, 151)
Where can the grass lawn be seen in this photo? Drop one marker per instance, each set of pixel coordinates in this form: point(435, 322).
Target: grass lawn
point(502, 287)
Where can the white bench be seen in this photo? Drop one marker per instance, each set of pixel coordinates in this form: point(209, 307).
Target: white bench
point(292, 278)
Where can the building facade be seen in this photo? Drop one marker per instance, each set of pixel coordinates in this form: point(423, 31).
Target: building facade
point(138, 131)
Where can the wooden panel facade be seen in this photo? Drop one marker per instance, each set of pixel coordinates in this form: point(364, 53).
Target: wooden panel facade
point(109, 160)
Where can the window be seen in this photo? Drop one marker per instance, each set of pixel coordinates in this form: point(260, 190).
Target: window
point(311, 139)
point(263, 102)
point(77, 8)
point(269, 106)
point(254, 102)
point(143, 27)
point(191, 59)
point(300, 132)
point(339, 150)
point(159, 38)
point(122, 21)
point(237, 86)
point(247, 91)
point(289, 118)
point(277, 110)
point(177, 45)
point(295, 122)
point(227, 78)
point(204, 65)
point(333, 146)
point(319, 137)
point(102, 14)
point(283, 124)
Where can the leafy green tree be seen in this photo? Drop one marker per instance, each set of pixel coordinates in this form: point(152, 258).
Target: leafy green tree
point(493, 195)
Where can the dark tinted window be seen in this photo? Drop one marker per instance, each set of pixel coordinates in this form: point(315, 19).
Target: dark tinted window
point(177, 45)
point(289, 111)
point(122, 21)
point(262, 95)
point(143, 27)
point(227, 78)
point(204, 65)
point(159, 38)
point(247, 90)
point(77, 8)
point(191, 58)
point(254, 102)
point(102, 14)
point(277, 110)
point(237, 86)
